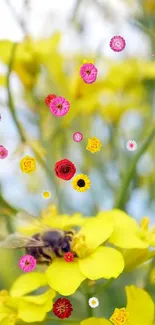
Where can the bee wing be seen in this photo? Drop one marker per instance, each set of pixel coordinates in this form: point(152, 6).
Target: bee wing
point(24, 218)
point(18, 241)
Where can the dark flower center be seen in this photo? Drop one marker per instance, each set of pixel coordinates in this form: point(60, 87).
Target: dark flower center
point(59, 106)
point(65, 170)
point(27, 263)
point(88, 71)
point(81, 183)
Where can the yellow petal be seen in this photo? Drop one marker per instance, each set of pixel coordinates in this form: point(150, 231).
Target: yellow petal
point(139, 306)
point(105, 262)
point(64, 222)
point(125, 234)
point(134, 257)
point(64, 277)
point(95, 321)
point(6, 47)
point(41, 299)
point(152, 240)
point(6, 321)
point(27, 283)
point(29, 312)
point(4, 312)
point(97, 230)
point(34, 308)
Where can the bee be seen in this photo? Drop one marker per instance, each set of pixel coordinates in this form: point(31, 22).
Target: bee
point(44, 246)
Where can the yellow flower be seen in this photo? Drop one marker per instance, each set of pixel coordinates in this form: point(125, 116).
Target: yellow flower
point(29, 55)
point(50, 218)
point(67, 277)
point(139, 310)
point(93, 145)
point(17, 305)
point(127, 233)
point(28, 164)
point(81, 183)
point(120, 316)
point(88, 61)
point(149, 6)
point(136, 239)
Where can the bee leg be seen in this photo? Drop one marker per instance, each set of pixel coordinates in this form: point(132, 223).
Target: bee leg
point(69, 238)
point(56, 251)
point(70, 232)
point(44, 262)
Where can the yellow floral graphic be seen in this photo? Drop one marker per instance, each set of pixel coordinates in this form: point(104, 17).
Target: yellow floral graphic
point(28, 164)
point(120, 316)
point(93, 145)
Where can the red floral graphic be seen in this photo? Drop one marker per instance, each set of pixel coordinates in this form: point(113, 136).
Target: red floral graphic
point(65, 169)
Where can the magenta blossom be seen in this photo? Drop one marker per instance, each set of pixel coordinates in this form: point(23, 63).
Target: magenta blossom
point(88, 73)
point(117, 43)
point(59, 106)
point(27, 263)
point(77, 136)
point(3, 152)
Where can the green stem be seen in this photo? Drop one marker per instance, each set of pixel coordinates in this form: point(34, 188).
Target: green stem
point(144, 28)
point(105, 285)
point(17, 123)
point(120, 203)
point(10, 100)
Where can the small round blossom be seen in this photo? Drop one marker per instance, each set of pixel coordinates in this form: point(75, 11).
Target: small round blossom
point(28, 164)
point(88, 73)
point(117, 43)
point(27, 263)
point(131, 145)
point(69, 257)
point(46, 195)
point(49, 98)
point(93, 145)
point(93, 302)
point(3, 152)
point(62, 308)
point(77, 136)
point(59, 106)
point(119, 316)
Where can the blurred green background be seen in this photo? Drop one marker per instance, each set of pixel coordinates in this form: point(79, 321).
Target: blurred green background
point(52, 39)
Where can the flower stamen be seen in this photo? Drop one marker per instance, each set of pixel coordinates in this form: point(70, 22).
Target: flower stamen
point(80, 247)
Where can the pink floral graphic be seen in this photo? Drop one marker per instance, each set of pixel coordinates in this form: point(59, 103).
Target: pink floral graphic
point(88, 73)
point(117, 43)
point(131, 145)
point(3, 152)
point(59, 106)
point(77, 136)
point(27, 263)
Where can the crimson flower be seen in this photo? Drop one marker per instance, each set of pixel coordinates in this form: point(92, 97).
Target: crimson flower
point(65, 169)
point(49, 98)
point(62, 308)
point(69, 257)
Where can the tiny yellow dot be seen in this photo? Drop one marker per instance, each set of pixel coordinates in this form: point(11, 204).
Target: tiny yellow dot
point(46, 195)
